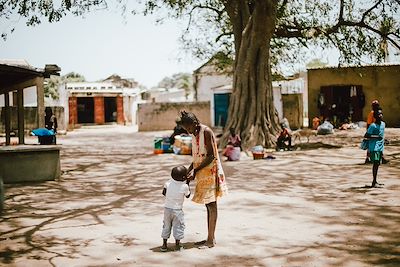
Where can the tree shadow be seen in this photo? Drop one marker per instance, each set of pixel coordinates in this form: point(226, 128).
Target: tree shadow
point(171, 247)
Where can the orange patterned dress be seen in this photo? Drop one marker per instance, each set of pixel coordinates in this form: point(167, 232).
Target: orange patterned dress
point(210, 181)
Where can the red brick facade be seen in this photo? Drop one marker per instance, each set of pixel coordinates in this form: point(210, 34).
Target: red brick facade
point(73, 111)
point(120, 110)
point(99, 110)
point(99, 114)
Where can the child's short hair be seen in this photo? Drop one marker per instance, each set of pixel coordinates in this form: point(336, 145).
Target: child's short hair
point(178, 172)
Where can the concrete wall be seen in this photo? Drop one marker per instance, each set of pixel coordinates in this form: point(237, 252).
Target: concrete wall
point(162, 116)
point(29, 163)
point(30, 114)
point(378, 82)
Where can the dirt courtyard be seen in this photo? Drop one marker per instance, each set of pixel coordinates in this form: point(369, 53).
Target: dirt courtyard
point(307, 207)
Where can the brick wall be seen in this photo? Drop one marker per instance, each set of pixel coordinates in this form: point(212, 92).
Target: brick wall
point(162, 116)
point(73, 111)
point(120, 110)
point(99, 110)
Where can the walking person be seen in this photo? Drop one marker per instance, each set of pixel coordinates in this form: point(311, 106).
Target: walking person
point(370, 119)
point(206, 170)
point(376, 142)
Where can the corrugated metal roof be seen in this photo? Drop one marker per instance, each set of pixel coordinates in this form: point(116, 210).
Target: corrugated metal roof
point(357, 66)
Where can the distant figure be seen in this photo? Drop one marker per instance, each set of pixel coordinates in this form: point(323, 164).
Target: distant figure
point(376, 142)
point(178, 130)
point(50, 123)
point(232, 150)
point(375, 106)
point(175, 191)
point(315, 123)
point(284, 136)
point(50, 120)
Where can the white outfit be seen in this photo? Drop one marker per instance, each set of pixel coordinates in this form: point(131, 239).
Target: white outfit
point(176, 192)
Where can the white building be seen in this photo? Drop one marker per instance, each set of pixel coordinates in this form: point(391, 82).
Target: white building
point(215, 86)
point(100, 103)
point(163, 95)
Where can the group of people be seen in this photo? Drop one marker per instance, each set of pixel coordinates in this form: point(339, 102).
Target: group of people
point(206, 170)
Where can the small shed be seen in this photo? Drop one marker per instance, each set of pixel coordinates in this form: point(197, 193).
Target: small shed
point(15, 76)
point(22, 163)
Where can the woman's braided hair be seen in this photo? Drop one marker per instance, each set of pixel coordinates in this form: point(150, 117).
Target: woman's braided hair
point(188, 118)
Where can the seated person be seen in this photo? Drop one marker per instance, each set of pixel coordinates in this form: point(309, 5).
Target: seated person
point(232, 150)
point(284, 137)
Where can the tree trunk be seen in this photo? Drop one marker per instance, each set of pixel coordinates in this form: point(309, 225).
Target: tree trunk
point(251, 110)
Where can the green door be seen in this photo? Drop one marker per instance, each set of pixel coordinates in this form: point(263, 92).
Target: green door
point(221, 104)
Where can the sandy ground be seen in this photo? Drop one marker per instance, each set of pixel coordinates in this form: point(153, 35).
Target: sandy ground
point(305, 208)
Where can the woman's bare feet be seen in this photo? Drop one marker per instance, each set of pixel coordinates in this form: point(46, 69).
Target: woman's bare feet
point(207, 244)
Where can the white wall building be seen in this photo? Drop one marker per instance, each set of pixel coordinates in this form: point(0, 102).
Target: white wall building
point(216, 86)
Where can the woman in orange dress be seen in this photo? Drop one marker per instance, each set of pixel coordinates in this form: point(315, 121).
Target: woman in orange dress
point(206, 170)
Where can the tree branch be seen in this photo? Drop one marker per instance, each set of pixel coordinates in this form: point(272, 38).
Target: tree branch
point(219, 12)
point(290, 31)
point(369, 10)
point(222, 35)
point(282, 7)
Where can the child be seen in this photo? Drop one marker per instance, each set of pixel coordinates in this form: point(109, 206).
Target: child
point(174, 191)
point(375, 135)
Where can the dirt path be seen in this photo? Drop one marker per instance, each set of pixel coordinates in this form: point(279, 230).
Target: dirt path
point(304, 208)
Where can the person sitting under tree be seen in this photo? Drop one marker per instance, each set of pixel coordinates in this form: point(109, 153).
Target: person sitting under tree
point(284, 137)
point(232, 150)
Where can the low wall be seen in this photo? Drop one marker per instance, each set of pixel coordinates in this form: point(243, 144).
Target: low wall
point(162, 116)
point(29, 163)
point(30, 115)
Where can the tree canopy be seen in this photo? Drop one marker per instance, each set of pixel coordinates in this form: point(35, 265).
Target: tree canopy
point(259, 35)
point(51, 84)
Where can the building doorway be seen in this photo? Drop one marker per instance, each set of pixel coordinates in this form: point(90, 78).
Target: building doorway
point(85, 109)
point(341, 104)
point(110, 109)
point(221, 104)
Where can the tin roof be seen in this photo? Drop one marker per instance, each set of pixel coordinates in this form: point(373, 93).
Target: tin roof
point(357, 66)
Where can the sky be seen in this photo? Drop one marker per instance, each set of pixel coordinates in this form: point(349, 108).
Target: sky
point(101, 44)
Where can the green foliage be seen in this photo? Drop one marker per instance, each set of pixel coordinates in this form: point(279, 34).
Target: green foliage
point(51, 84)
point(178, 80)
point(316, 63)
point(358, 29)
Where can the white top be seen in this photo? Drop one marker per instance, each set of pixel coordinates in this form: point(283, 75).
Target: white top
point(176, 193)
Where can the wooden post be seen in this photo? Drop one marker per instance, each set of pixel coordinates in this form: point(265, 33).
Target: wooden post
point(7, 120)
point(21, 126)
point(40, 101)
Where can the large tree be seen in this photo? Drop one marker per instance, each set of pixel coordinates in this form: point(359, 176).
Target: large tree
point(258, 34)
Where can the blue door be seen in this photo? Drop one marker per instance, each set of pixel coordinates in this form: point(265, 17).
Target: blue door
point(221, 104)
